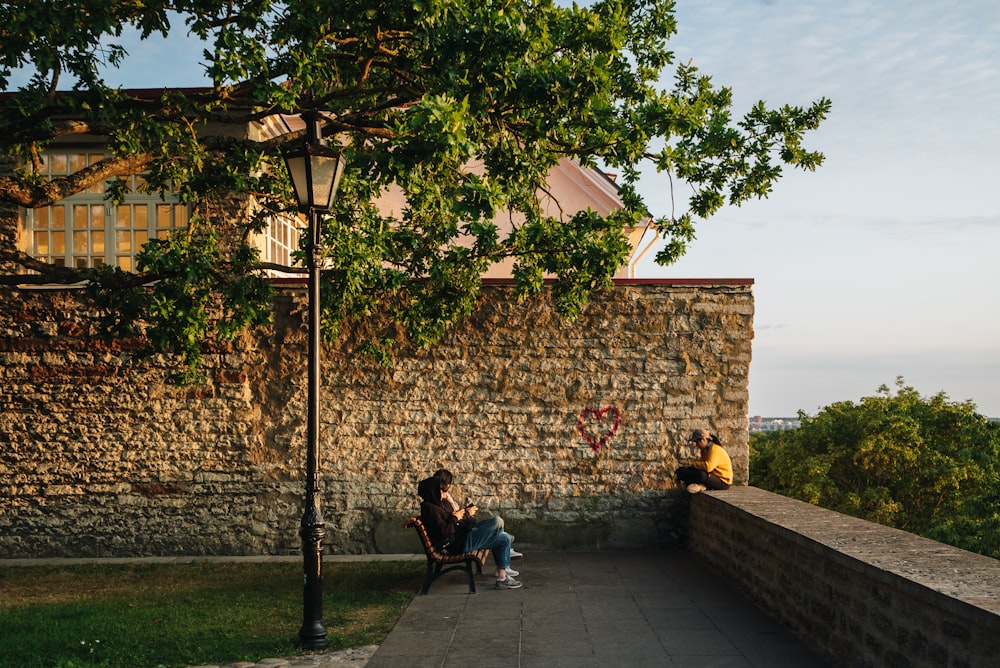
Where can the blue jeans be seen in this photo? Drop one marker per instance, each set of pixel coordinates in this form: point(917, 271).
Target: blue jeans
point(490, 534)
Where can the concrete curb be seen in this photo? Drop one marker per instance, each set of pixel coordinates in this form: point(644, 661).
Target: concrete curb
point(332, 558)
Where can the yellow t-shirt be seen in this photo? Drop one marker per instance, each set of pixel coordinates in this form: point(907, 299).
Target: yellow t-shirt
point(717, 462)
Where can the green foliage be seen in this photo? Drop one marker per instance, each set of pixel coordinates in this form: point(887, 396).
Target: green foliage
point(923, 464)
point(416, 92)
point(200, 294)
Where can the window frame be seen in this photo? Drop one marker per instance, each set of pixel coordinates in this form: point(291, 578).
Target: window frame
point(84, 230)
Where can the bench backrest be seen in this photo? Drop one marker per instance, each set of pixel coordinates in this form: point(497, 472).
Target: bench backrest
point(425, 539)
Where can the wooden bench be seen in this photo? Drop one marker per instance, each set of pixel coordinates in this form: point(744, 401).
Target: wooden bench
point(439, 563)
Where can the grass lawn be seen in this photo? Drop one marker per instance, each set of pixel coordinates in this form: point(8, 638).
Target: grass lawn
point(150, 615)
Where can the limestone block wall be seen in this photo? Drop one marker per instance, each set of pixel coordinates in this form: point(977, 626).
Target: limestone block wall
point(103, 457)
point(862, 595)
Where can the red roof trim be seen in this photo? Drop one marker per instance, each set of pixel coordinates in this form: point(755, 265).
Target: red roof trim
point(618, 281)
point(684, 281)
point(141, 93)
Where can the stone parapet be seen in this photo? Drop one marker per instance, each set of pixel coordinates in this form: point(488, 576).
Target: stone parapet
point(860, 594)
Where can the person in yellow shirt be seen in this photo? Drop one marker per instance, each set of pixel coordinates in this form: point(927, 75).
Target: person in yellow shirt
point(714, 468)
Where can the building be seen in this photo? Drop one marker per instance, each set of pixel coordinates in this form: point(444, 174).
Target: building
point(84, 230)
point(762, 424)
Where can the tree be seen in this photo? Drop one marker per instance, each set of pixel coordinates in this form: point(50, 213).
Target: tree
point(925, 465)
point(414, 91)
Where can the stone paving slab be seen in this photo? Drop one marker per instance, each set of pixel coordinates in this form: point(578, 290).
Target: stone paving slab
point(603, 609)
point(356, 657)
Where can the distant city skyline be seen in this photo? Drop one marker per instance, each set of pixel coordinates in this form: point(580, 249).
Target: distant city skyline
point(761, 424)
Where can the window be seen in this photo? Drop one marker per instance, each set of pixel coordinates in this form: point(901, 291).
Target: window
point(283, 234)
point(84, 230)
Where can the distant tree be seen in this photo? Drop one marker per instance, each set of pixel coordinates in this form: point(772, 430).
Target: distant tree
point(925, 465)
point(414, 91)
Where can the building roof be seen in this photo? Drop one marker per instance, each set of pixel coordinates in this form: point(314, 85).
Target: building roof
point(571, 188)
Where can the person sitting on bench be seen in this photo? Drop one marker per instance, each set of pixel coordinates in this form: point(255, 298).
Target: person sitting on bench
point(446, 479)
point(458, 532)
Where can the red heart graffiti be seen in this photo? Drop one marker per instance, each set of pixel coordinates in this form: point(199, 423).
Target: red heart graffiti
point(598, 415)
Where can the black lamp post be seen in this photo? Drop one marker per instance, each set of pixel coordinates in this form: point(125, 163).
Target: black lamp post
point(316, 170)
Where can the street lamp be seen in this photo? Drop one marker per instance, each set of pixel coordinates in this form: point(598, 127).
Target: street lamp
point(316, 170)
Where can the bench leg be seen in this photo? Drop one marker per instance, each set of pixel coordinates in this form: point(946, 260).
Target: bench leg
point(472, 577)
point(429, 578)
point(435, 569)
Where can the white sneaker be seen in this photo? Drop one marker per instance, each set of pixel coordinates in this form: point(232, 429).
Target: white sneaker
point(512, 573)
point(514, 554)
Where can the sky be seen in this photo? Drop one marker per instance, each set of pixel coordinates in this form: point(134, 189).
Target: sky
point(882, 263)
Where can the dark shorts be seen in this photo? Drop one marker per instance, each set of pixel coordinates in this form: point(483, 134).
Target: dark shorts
point(689, 475)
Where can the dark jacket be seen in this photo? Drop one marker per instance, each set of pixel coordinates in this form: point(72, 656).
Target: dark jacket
point(443, 528)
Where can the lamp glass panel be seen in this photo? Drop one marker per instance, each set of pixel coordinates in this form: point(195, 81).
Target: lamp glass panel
point(297, 168)
point(324, 168)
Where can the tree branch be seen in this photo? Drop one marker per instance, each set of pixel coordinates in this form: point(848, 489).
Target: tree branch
point(33, 195)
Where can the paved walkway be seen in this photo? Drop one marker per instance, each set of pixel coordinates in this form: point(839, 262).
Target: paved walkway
point(596, 609)
point(576, 610)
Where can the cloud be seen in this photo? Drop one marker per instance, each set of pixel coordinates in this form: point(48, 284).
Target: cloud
point(905, 68)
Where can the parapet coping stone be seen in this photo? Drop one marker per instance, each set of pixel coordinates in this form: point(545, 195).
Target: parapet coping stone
point(957, 574)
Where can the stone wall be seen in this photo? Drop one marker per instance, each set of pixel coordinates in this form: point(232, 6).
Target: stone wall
point(100, 457)
point(862, 595)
